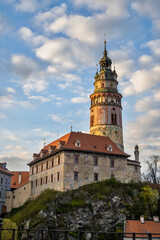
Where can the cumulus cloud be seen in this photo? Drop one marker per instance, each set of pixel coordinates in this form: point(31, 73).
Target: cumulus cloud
point(65, 53)
point(154, 46)
point(145, 104)
point(48, 16)
point(146, 7)
point(27, 35)
point(29, 73)
point(142, 80)
point(118, 8)
point(145, 60)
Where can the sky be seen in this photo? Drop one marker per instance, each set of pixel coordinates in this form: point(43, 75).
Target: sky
point(48, 56)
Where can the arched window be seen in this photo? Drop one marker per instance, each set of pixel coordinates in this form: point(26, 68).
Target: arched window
point(92, 121)
point(78, 143)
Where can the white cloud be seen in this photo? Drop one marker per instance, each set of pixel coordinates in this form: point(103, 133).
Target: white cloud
point(64, 53)
point(56, 118)
point(30, 5)
point(40, 98)
point(10, 90)
point(157, 95)
point(80, 99)
point(48, 16)
point(145, 60)
point(116, 8)
point(145, 104)
point(27, 35)
point(4, 26)
point(29, 73)
point(146, 7)
point(142, 80)
point(154, 46)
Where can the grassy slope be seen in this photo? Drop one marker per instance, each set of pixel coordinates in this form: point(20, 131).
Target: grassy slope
point(79, 198)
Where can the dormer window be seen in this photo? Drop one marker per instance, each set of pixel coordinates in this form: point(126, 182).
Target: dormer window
point(60, 144)
point(110, 148)
point(78, 143)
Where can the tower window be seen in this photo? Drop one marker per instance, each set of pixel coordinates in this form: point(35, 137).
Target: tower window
point(102, 85)
point(58, 176)
point(92, 121)
point(76, 176)
point(52, 178)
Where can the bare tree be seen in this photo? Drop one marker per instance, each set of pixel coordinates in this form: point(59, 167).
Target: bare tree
point(153, 169)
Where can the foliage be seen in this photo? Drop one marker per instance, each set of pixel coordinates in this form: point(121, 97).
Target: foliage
point(8, 224)
point(33, 207)
point(150, 198)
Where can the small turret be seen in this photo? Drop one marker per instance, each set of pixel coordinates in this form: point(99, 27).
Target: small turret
point(136, 153)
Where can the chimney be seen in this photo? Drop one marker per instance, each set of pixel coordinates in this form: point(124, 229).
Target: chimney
point(136, 153)
point(156, 218)
point(20, 178)
point(142, 219)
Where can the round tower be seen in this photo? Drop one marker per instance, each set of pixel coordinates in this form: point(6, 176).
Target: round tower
point(106, 109)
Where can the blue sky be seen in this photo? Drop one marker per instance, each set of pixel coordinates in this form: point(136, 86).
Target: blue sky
point(48, 56)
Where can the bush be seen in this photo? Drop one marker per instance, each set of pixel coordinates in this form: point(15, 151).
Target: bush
point(7, 234)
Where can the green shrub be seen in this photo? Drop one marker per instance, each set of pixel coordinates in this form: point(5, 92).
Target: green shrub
point(8, 234)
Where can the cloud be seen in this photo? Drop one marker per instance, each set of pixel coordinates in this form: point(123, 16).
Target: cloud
point(31, 77)
point(2, 115)
point(116, 8)
point(27, 35)
point(30, 5)
point(142, 80)
point(80, 99)
point(154, 46)
point(64, 53)
point(56, 118)
point(145, 60)
point(10, 90)
point(52, 14)
point(147, 8)
point(145, 104)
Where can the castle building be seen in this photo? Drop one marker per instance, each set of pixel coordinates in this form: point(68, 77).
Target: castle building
point(106, 108)
point(78, 158)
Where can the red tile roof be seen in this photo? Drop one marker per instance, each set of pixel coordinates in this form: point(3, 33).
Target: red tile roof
point(15, 179)
point(154, 185)
point(138, 227)
point(5, 171)
point(89, 143)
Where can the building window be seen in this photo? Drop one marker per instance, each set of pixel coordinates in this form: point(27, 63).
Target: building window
point(86, 159)
point(32, 170)
point(112, 163)
point(36, 182)
point(46, 165)
point(95, 177)
point(110, 148)
point(76, 176)
point(46, 179)
point(95, 161)
point(41, 181)
point(76, 158)
point(58, 176)
point(136, 168)
point(31, 184)
point(13, 197)
point(0, 194)
point(78, 143)
point(59, 160)
point(37, 169)
point(41, 167)
point(52, 178)
point(52, 163)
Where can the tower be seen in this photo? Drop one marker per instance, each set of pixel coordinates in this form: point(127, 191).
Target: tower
point(106, 109)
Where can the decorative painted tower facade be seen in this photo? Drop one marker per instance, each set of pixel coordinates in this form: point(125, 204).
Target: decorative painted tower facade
point(106, 109)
